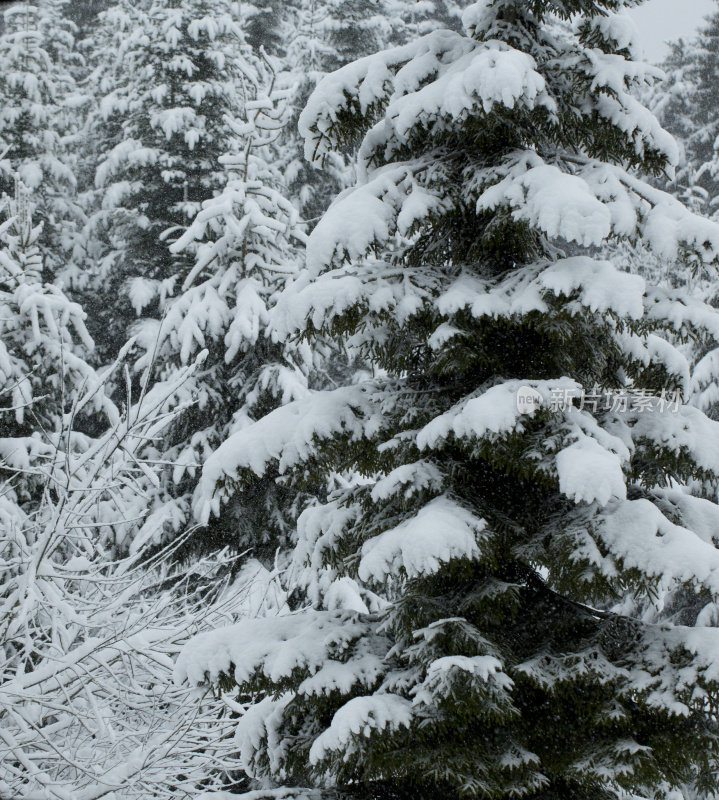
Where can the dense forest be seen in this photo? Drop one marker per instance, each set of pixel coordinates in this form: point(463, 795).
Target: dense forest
point(359, 402)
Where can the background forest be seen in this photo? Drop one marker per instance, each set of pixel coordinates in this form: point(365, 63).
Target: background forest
point(272, 522)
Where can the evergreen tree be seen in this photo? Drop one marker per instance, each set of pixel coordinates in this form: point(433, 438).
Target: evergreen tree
point(37, 92)
point(485, 605)
point(244, 246)
point(687, 105)
point(44, 352)
point(309, 56)
point(262, 23)
point(84, 12)
point(169, 73)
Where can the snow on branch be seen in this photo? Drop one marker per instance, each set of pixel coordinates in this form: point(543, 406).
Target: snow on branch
point(284, 437)
point(89, 639)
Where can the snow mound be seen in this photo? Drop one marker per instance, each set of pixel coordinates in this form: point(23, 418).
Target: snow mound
point(440, 531)
point(286, 436)
point(274, 646)
point(361, 716)
point(494, 411)
point(588, 472)
point(637, 533)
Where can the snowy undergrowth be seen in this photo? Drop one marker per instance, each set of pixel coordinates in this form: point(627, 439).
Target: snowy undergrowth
point(87, 704)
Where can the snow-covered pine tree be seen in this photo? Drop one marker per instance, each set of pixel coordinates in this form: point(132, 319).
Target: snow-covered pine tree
point(309, 52)
point(262, 24)
point(686, 105)
point(44, 352)
point(472, 629)
point(37, 91)
point(244, 246)
point(169, 73)
point(318, 39)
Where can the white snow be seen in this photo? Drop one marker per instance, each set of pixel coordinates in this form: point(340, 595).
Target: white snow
point(413, 477)
point(344, 594)
point(600, 285)
point(142, 291)
point(441, 531)
point(641, 537)
point(335, 676)
point(684, 431)
point(587, 472)
point(704, 382)
point(361, 716)
point(558, 203)
point(275, 646)
point(699, 515)
point(493, 411)
point(651, 349)
point(620, 29)
point(366, 216)
point(484, 667)
point(287, 436)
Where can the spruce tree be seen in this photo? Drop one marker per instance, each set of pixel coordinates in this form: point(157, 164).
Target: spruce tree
point(686, 106)
point(37, 93)
point(262, 24)
point(44, 354)
point(84, 12)
point(484, 613)
point(244, 245)
point(168, 74)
